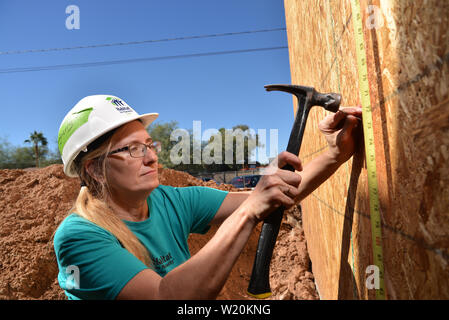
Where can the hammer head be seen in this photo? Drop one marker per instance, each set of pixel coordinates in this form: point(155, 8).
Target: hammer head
point(309, 97)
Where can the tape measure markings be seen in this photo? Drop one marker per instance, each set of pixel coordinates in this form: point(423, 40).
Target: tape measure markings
point(369, 146)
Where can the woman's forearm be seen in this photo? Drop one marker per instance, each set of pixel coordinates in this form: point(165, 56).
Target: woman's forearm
point(204, 275)
point(315, 173)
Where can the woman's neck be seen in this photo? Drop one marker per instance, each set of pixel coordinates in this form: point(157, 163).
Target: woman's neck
point(131, 210)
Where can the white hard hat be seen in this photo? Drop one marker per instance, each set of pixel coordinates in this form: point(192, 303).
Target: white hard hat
point(89, 119)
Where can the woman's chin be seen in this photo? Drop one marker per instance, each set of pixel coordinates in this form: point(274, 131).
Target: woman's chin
point(151, 184)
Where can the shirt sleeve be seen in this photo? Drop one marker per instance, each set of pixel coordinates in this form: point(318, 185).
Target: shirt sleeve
point(202, 203)
point(92, 263)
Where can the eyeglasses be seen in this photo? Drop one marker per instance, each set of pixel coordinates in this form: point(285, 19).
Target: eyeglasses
point(139, 150)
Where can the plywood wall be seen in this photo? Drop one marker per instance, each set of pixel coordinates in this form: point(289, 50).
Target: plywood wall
point(408, 65)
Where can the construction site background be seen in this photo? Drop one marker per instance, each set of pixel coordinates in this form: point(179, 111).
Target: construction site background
point(34, 202)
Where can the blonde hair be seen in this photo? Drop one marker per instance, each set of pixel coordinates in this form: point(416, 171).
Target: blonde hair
point(91, 202)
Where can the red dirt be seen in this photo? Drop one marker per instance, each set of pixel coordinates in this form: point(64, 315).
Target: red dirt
point(34, 202)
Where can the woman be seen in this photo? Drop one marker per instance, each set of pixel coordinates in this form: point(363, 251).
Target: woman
point(126, 237)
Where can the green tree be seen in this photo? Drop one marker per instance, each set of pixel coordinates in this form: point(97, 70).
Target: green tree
point(240, 141)
point(12, 157)
point(37, 138)
point(161, 132)
point(52, 156)
point(22, 157)
point(5, 153)
point(191, 167)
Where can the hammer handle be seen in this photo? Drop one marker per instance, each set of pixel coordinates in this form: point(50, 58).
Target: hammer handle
point(259, 284)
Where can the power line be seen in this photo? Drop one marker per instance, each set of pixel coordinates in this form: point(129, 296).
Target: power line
point(142, 42)
point(105, 63)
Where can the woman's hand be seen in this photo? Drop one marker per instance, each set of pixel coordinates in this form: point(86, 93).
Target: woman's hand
point(339, 131)
point(276, 188)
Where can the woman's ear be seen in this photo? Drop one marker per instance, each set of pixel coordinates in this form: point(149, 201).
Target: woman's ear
point(93, 169)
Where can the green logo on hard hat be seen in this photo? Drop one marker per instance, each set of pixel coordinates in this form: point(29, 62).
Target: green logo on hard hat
point(119, 105)
point(70, 125)
point(116, 102)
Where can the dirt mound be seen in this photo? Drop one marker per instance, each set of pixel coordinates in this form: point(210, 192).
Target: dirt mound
point(175, 178)
point(34, 202)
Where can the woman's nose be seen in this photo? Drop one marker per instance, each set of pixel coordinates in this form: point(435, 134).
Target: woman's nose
point(150, 156)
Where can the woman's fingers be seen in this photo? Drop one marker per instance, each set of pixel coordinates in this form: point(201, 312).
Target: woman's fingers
point(332, 121)
point(282, 184)
point(289, 177)
point(280, 178)
point(277, 187)
point(350, 124)
point(285, 158)
point(280, 161)
point(283, 196)
point(290, 191)
point(286, 176)
point(336, 121)
point(352, 111)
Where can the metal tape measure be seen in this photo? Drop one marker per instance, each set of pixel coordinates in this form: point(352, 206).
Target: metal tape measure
point(369, 147)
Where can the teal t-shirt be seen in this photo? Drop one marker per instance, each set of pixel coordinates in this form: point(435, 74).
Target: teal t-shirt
point(92, 263)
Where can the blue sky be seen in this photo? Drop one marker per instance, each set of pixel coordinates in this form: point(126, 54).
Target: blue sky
point(218, 90)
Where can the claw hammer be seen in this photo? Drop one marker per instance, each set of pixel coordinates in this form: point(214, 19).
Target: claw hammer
point(259, 285)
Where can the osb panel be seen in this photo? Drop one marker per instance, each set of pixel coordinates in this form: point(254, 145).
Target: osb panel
point(409, 81)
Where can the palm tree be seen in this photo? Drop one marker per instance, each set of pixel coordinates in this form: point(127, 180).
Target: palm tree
point(36, 138)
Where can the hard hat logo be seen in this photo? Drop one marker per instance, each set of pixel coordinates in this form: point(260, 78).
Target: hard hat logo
point(119, 105)
point(115, 102)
